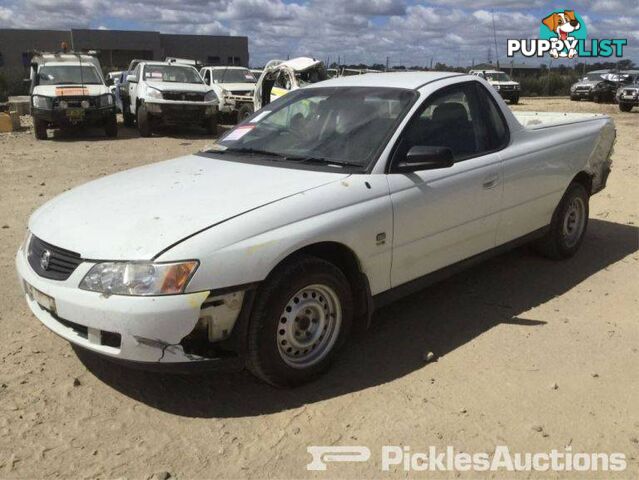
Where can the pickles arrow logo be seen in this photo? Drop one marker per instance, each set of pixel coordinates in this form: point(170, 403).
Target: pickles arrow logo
point(562, 34)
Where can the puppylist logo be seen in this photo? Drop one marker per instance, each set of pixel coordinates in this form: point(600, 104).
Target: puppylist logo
point(562, 34)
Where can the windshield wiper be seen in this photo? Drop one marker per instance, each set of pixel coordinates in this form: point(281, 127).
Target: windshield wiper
point(255, 151)
point(324, 161)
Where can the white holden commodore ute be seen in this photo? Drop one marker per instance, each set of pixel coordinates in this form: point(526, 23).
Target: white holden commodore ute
point(269, 249)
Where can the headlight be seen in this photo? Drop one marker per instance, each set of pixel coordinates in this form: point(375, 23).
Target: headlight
point(139, 278)
point(153, 93)
point(573, 87)
point(44, 103)
point(210, 96)
point(497, 87)
point(105, 100)
point(517, 87)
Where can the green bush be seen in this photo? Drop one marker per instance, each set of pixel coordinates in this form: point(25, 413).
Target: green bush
point(543, 85)
point(4, 89)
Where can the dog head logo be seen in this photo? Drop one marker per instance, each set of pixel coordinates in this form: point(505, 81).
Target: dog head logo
point(562, 23)
point(565, 26)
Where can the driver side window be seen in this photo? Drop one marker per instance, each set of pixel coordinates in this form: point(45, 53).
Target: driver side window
point(462, 118)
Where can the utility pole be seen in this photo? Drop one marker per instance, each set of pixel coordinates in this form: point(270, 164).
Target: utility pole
point(495, 37)
point(387, 63)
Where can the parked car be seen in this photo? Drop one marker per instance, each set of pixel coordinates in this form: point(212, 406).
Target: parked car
point(280, 77)
point(500, 81)
point(628, 95)
point(171, 94)
point(122, 93)
point(268, 249)
point(234, 87)
point(67, 89)
point(602, 85)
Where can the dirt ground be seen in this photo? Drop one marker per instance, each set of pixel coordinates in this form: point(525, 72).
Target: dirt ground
point(533, 354)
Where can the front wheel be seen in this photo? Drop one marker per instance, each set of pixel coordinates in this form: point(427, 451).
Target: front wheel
point(514, 100)
point(129, 118)
point(245, 111)
point(568, 225)
point(301, 316)
point(144, 123)
point(210, 124)
point(625, 107)
point(111, 126)
point(40, 129)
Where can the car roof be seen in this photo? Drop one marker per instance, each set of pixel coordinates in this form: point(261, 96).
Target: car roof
point(408, 80)
point(168, 64)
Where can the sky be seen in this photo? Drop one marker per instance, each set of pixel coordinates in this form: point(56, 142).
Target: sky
point(408, 32)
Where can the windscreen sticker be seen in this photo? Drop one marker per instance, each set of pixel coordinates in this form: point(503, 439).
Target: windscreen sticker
point(248, 77)
point(239, 132)
point(260, 116)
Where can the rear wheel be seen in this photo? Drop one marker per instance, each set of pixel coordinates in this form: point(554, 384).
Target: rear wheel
point(40, 129)
point(144, 123)
point(568, 225)
point(111, 126)
point(301, 316)
point(625, 107)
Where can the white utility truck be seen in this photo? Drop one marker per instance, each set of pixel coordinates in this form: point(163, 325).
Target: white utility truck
point(169, 93)
point(274, 245)
point(68, 89)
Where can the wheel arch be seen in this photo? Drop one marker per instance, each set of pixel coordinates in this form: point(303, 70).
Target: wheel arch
point(585, 179)
point(344, 258)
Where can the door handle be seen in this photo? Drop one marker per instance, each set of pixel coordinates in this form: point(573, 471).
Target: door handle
point(490, 182)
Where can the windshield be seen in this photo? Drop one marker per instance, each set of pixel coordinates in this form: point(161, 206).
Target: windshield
point(171, 74)
point(232, 75)
point(69, 75)
point(346, 125)
point(498, 77)
point(593, 77)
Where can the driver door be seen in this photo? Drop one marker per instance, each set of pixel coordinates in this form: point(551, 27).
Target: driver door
point(445, 215)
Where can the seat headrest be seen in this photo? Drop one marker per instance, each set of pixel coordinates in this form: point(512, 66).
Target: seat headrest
point(450, 112)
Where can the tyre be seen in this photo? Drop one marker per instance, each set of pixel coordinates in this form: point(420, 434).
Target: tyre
point(144, 123)
point(111, 126)
point(514, 100)
point(568, 225)
point(129, 119)
point(301, 316)
point(597, 98)
point(245, 111)
point(40, 129)
point(210, 125)
point(574, 99)
point(625, 107)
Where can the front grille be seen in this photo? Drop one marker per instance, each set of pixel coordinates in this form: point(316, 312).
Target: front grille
point(629, 92)
point(242, 92)
point(57, 264)
point(585, 88)
point(183, 96)
point(507, 87)
point(74, 102)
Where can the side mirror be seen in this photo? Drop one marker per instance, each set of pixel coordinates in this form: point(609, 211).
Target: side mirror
point(131, 79)
point(421, 158)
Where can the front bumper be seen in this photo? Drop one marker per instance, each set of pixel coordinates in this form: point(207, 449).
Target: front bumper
point(59, 117)
point(149, 328)
point(628, 99)
point(579, 94)
point(508, 94)
point(181, 112)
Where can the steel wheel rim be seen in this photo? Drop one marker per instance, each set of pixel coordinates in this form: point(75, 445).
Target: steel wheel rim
point(309, 325)
point(574, 222)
